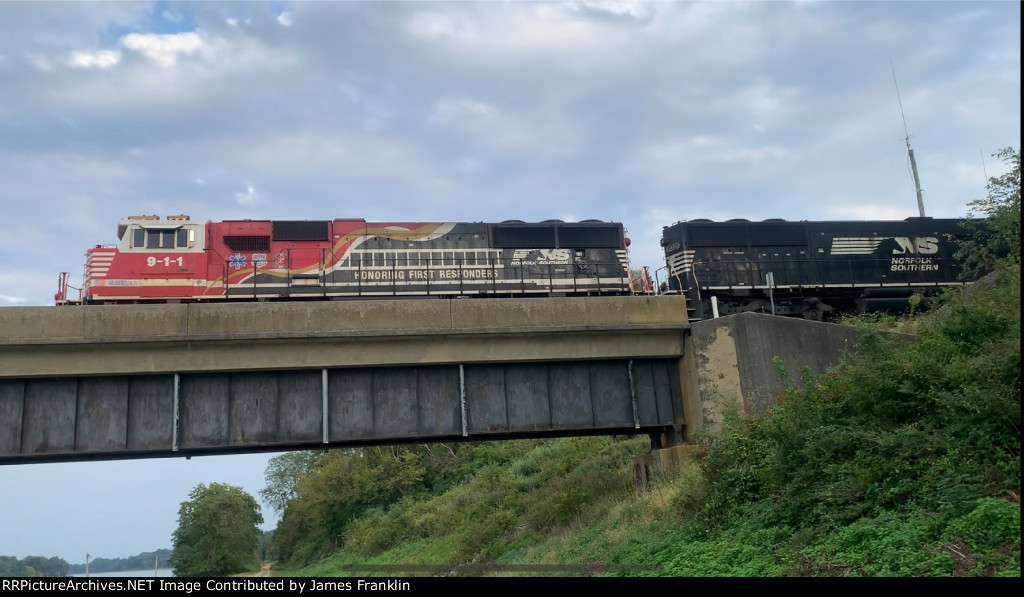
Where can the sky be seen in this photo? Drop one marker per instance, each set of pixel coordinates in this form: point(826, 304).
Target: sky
point(646, 113)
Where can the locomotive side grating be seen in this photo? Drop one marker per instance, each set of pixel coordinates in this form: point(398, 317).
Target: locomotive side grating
point(300, 230)
point(247, 243)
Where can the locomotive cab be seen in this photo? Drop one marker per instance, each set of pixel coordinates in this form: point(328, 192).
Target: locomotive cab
point(155, 259)
point(143, 233)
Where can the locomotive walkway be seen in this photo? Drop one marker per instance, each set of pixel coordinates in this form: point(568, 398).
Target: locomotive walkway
point(118, 382)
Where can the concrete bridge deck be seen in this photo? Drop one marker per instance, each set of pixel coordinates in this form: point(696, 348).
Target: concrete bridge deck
point(105, 340)
point(103, 382)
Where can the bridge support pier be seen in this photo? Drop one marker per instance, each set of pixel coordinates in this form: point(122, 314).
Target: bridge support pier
point(664, 461)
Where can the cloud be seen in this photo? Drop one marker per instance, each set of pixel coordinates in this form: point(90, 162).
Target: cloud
point(867, 211)
point(164, 49)
point(246, 197)
point(645, 113)
point(453, 111)
point(679, 161)
point(97, 59)
point(173, 16)
point(566, 33)
point(640, 11)
point(39, 61)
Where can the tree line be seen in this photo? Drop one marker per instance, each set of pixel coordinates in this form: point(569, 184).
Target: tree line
point(143, 561)
point(11, 566)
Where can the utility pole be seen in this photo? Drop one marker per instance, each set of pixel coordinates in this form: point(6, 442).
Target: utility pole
point(910, 152)
point(87, 565)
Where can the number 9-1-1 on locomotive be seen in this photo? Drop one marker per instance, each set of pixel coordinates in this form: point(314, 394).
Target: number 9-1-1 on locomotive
point(176, 259)
point(813, 270)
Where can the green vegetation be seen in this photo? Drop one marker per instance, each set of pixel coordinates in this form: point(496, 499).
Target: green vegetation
point(282, 474)
point(218, 532)
point(143, 561)
point(11, 566)
point(453, 505)
point(996, 246)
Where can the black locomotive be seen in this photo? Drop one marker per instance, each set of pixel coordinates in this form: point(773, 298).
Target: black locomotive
point(813, 270)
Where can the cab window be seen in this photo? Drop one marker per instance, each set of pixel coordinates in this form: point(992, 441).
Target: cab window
point(154, 238)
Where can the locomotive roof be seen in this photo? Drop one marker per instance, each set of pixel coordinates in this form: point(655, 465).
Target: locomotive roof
point(780, 220)
point(151, 221)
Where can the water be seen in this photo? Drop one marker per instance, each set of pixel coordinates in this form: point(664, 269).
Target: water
point(160, 572)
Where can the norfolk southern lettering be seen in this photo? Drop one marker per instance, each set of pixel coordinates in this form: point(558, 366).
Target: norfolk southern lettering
point(913, 264)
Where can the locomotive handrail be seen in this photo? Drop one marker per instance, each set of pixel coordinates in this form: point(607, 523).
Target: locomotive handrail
point(61, 297)
point(242, 278)
point(849, 275)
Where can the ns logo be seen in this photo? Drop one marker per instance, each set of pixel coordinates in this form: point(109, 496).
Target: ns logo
point(921, 245)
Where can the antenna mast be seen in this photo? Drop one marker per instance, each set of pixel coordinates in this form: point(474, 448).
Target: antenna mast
point(910, 152)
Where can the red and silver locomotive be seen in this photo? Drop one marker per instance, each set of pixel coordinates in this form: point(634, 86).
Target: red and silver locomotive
point(177, 259)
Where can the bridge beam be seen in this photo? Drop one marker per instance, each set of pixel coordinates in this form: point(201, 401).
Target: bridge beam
point(133, 416)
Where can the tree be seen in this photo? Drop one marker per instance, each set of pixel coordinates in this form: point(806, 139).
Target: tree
point(995, 242)
point(47, 566)
point(11, 567)
point(345, 484)
point(283, 473)
point(218, 532)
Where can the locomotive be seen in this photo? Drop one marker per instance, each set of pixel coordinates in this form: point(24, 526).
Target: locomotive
point(177, 259)
point(813, 270)
point(810, 269)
